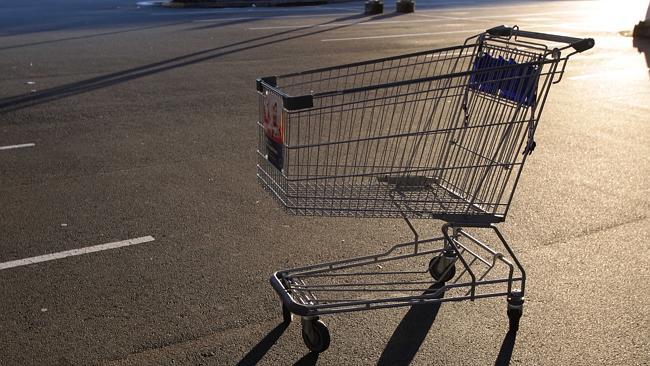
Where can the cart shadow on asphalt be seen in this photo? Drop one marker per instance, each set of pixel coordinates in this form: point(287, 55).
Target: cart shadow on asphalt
point(263, 346)
point(89, 36)
point(413, 329)
point(407, 338)
point(307, 360)
point(10, 104)
point(507, 346)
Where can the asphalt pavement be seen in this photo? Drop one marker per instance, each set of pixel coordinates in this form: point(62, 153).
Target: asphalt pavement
point(121, 121)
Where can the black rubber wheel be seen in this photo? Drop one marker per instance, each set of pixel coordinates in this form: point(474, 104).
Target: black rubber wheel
point(441, 276)
point(374, 7)
point(315, 335)
point(513, 319)
point(287, 316)
point(405, 6)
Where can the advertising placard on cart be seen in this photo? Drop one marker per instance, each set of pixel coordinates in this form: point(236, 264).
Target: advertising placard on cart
point(273, 129)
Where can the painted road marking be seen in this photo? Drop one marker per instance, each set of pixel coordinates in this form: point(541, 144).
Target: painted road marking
point(611, 74)
point(526, 14)
point(379, 22)
point(304, 11)
point(149, 3)
point(19, 146)
point(453, 3)
point(443, 54)
point(271, 17)
point(470, 31)
point(223, 19)
point(464, 9)
point(75, 252)
point(501, 16)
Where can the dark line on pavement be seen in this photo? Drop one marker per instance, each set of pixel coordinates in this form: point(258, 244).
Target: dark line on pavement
point(88, 36)
point(22, 101)
point(410, 333)
point(263, 346)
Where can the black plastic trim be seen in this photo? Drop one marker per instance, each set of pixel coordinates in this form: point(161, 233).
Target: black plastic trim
point(578, 44)
point(500, 31)
point(268, 80)
point(583, 45)
point(299, 102)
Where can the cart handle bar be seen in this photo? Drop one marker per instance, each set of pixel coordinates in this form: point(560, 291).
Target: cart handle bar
point(578, 44)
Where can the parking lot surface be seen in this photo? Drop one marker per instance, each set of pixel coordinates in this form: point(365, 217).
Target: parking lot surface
point(134, 126)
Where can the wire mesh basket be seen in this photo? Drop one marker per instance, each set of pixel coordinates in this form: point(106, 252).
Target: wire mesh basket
point(435, 134)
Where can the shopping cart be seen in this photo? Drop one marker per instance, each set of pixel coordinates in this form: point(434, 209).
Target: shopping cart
point(440, 134)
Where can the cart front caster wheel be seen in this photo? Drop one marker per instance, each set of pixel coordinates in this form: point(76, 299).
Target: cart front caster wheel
point(440, 273)
point(316, 335)
point(287, 316)
point(513, 319)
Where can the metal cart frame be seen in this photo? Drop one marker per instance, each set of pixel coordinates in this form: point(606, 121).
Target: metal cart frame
point(440, 134)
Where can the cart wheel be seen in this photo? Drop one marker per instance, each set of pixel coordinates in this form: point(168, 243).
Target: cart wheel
point(316, 335)
point(441, 274)
point(513, 319)
point(287, 316)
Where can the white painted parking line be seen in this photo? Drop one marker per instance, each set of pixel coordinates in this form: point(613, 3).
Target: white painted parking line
point(527, 14)
point(443, 54)
point(611, 74)
point(522, 16)
point(464, 9)
point(75, 252)
point(534, 20)
point(19, 146)
point(444, 17)
point(355, 7)
point(224, 19)
point(454, 3)
point(371, 22)
point(296, 26)
point(307, 12)
point(271, 17)
point(468, 31)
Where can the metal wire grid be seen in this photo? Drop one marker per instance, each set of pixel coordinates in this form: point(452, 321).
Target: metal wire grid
point(430, 143)
point(382, 71)
point(401, 276)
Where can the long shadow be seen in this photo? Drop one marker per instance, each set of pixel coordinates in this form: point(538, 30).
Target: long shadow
point(257, 353)
point(307, 360)
point(507, 346)
point(48, 95)
point(41, 27)
point(95, 35)
point(409, 334)
point(224, 23)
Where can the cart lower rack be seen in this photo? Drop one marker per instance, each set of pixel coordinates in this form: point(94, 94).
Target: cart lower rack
point(440, 134)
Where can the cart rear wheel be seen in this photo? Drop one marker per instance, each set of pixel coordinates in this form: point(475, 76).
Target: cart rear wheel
point(440, 273)
point(287, 316)
point(316, 335)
